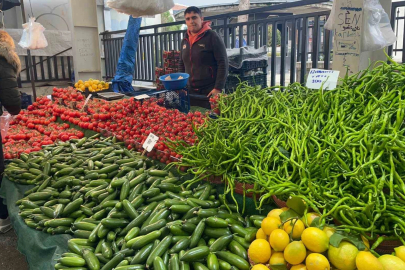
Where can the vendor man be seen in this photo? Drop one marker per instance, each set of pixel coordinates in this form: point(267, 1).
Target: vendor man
point(203, 56)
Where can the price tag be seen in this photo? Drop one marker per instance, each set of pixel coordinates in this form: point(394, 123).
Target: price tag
point(150, 142)
point(49, 97)
point(86, 101)
point(319, 77)
point(142, 97)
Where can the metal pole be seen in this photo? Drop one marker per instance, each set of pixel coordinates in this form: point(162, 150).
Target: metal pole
point(31, 68)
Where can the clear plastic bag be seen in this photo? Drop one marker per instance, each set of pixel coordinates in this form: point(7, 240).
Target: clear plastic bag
point(5, 120)
point(138, 8)
point(377, 31)
point(33, 37)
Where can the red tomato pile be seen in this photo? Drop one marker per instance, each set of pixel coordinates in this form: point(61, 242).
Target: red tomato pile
point(35, 127)
point(132, 121)
point(129, 120)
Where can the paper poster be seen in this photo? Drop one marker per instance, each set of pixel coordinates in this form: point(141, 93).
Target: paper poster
point(327, 79)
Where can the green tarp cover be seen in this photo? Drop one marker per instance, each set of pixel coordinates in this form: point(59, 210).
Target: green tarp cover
point(41, 249)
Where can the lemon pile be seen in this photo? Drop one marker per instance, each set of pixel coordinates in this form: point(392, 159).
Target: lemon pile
point(301, 247)
point(92, 85)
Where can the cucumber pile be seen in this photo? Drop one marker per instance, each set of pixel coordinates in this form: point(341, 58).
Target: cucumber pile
point(127, 213)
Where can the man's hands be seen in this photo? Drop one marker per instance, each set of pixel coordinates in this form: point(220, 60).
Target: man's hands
point(214, 92)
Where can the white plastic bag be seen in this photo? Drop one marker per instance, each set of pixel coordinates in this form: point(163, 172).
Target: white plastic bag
point(5, 120)
point(33, 37)
point(377, 32)
point(138, 8)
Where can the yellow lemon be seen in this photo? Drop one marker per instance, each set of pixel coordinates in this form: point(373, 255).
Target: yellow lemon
point(76, 85)
point(343, 257)
point(260, 267)
point(260, 234)
point(90, 89)
point(80, 82)
point(296, 226)
point(275, 213)
point(83, 88)
point(316, 261)
point(295, 252)
point(99, 86)
point(299, 267)
point(391, 262)
point(309, 217)
point(329, 231)
point(277, 258)
point(269, 224)
point(365, 260)
point(279, 239)
point(259, 251)
point(400, 252)
point(86, 84)
point(315, 239)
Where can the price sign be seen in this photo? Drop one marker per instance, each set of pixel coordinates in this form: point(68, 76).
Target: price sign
point(86, 101)
point(326, 78)
point(49, 97)
point(141, 97)
point(150, 142)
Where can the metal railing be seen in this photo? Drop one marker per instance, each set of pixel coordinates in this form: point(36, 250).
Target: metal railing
point(397, 51)
point(47, 68)
point(304, 44)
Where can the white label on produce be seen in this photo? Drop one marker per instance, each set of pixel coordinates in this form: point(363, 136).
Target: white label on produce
point(142, 96)
point(150, 142)
point(328, 79)
point(86, 101)
point(49, 97)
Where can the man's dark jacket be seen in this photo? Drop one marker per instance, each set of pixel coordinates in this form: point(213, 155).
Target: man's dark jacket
point(206, 61)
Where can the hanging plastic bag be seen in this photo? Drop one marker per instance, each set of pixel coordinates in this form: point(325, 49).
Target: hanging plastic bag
point(138, 8)
point(377, 31)
point(33, 37)
point(5, 120)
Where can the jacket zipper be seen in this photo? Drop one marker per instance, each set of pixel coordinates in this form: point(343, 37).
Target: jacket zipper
point(191, 47)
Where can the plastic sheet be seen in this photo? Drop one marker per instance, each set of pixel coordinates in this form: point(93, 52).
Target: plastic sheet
point(138, 8)
point(237, 56)
point(33, 37)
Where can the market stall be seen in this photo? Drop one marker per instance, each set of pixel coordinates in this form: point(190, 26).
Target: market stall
point(329, 159)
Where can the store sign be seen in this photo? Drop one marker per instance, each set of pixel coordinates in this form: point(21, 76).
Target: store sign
point(327, 79)
point(150, 142)
point(348, 26)
point(141, 97)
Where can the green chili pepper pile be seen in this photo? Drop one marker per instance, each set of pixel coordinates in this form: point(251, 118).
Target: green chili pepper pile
point(341, 151)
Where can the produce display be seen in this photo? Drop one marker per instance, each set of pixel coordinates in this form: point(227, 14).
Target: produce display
point(283, 242)
point(341, 151)
point(92, 85)
point(125, 213)
point(129, 120)
point(333, 160)
point(35, 127)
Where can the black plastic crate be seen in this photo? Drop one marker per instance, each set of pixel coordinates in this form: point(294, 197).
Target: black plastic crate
point(233, 82)
point(248, 65)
